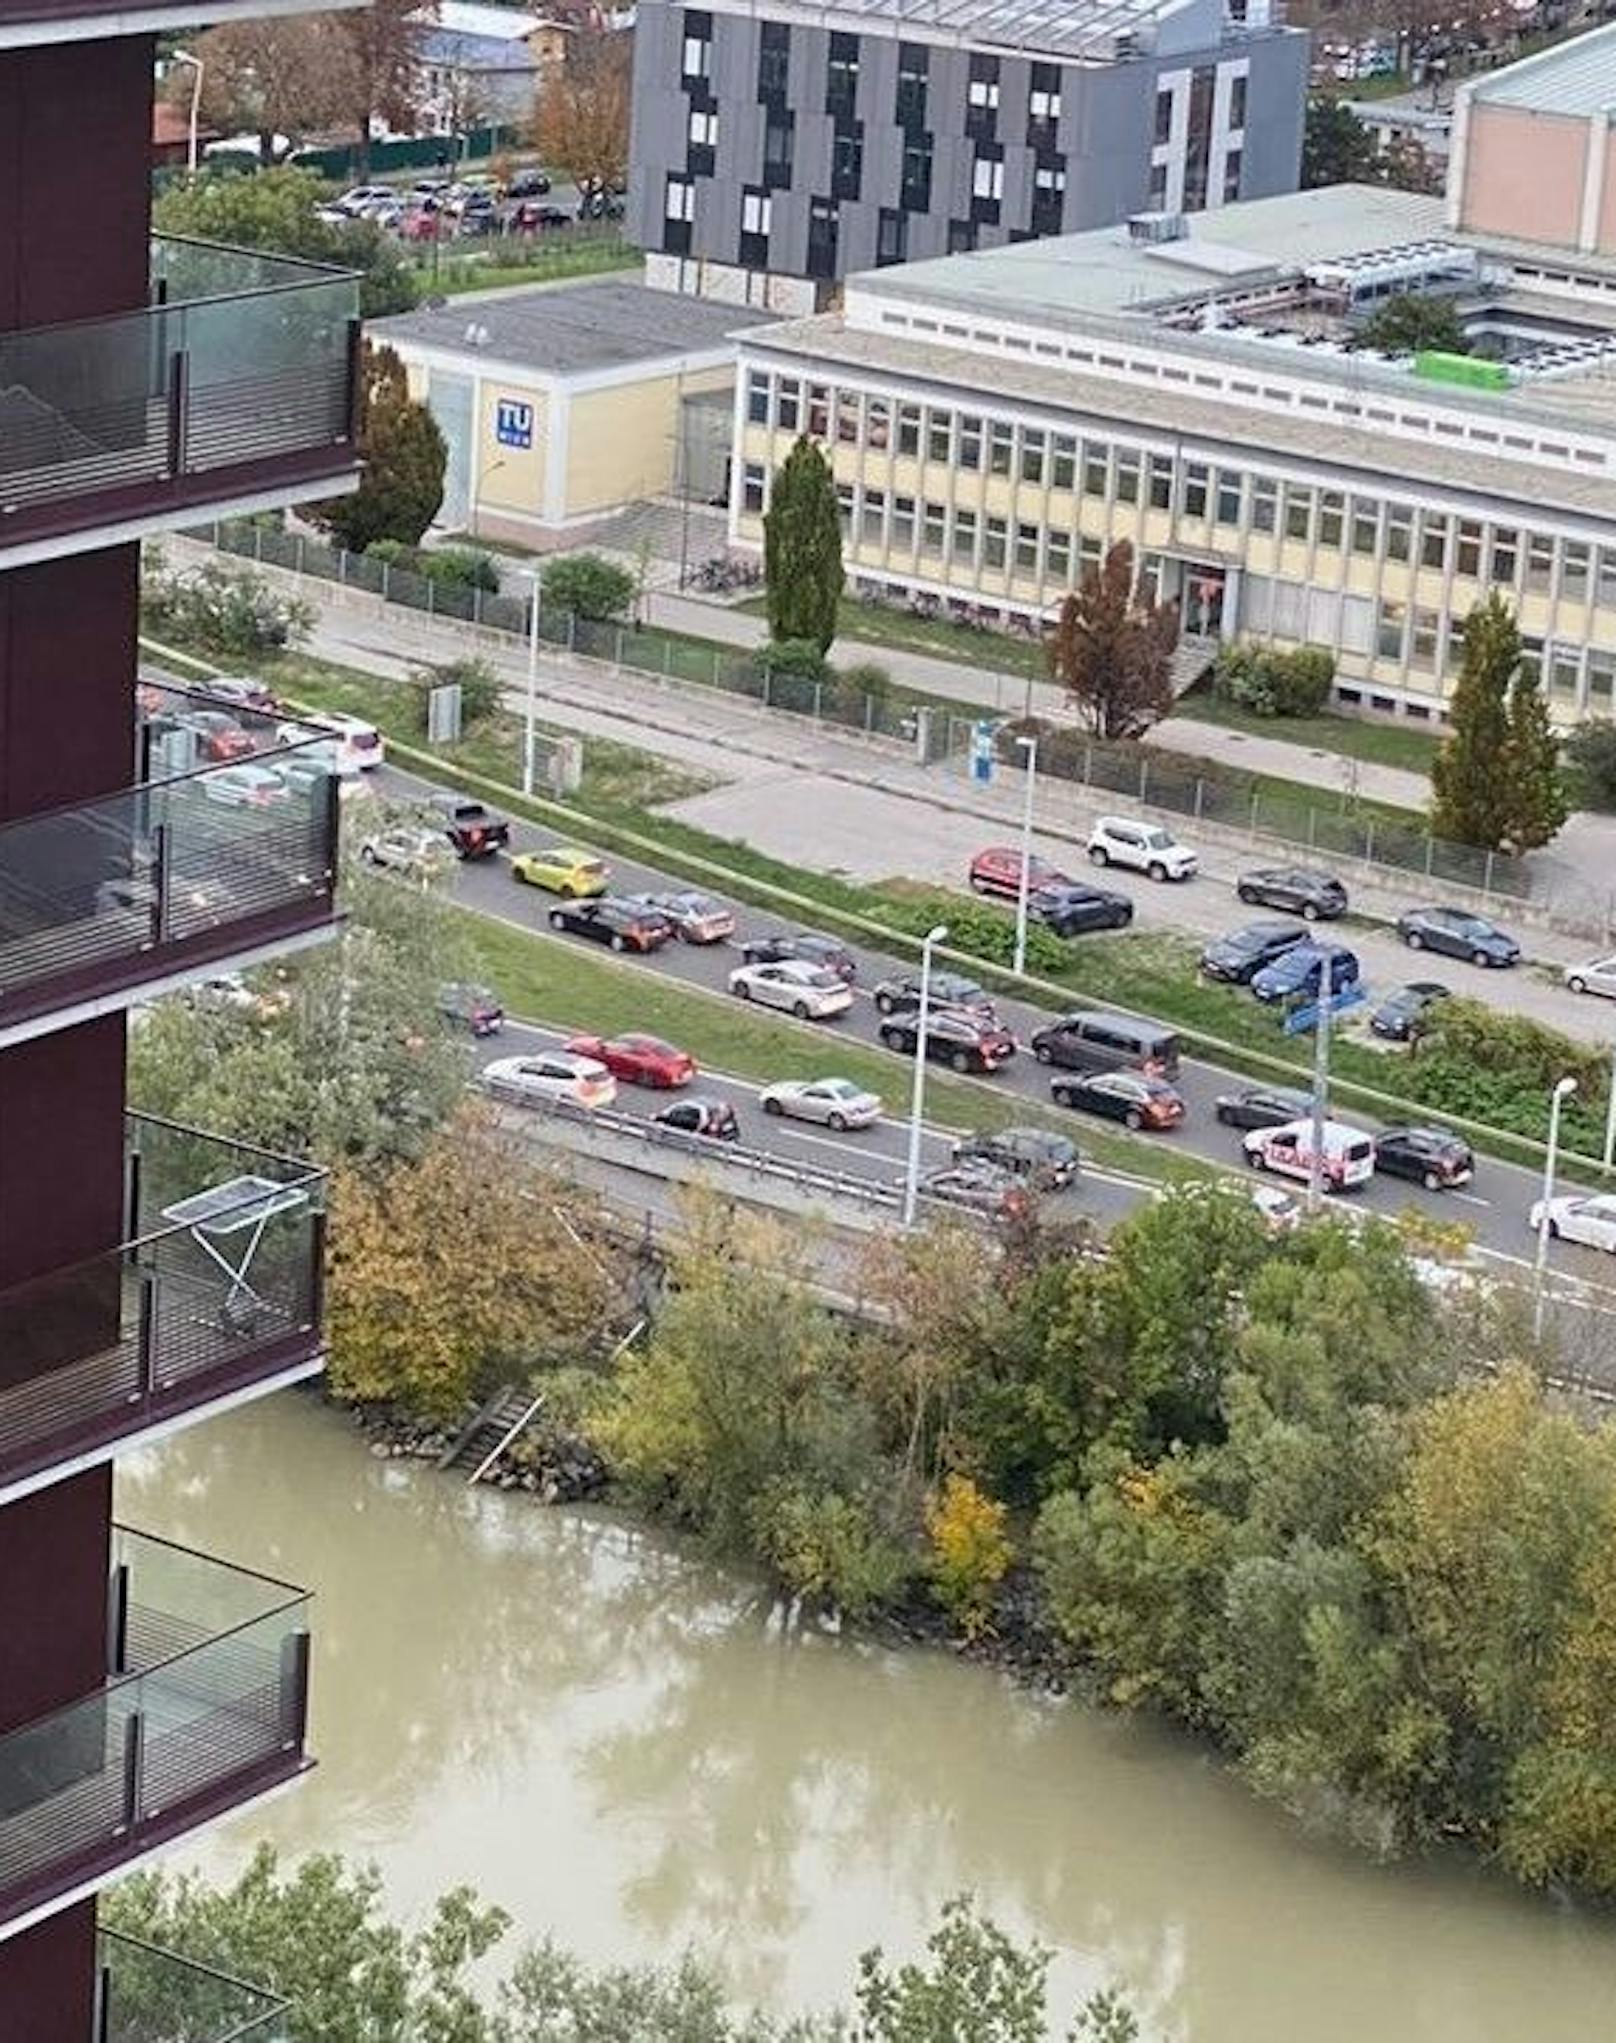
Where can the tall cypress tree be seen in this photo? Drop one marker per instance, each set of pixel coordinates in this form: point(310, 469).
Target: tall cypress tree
point(1470, 776)
point(1537, 789)
point(802, 548)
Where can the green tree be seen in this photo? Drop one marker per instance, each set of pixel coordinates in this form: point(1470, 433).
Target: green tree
point(587, 585)
point(1591, 752)
point(1336, 146)
point(1112, 651)
point(802, 549)
point(1415, 320)
point(276, 210)
point(403, 455)
point(1496, 782)
point(268, 78)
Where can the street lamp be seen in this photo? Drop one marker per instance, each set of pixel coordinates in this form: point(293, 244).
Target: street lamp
point(1563, 1090)
point(917, 1097)
point(1030, 747)
point(530, 718)
point(1321, 1083)
point(197, 67)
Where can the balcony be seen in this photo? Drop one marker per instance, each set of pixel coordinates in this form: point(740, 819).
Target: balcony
point(205, 1707)
point(111, 898)
point(215, 1295)
point(24, 23)
point(150, 1996)
point(236, 384)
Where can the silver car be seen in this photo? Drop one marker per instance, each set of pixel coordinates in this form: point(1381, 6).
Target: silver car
point(834, 1102)
point(1598, 976)
point(808, 991)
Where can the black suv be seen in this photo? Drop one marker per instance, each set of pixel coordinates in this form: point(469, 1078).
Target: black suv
point(1315, 896)
point(1046, 1160)
point(618, 923)
point(901, 995)
point(963, 1041)
point(1237, 957)
point(1430, 1156)
point(805, 944)
point(1068, 908)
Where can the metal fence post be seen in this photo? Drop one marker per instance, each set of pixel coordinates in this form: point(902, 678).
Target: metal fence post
point(617, 649)
point(477, 607)
point(572, 630)
point(1486, 890)
point(667, 659)
point(869, 714)
point(1144, 777)
point(766, 703)
point(1430, 853)
point(387, 580)
point(1088, 762)
point(1256, 801)
point(1369, 842)
point(1312, 825)
point(298, 556)
point(819, 694)
point(1200, 790)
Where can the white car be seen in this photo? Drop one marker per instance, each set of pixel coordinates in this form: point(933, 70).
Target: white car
point(551, 1075)
point(421, 854)
point(1141, 848)
point(1597, 976)
point(359, 747)
point(1348, 1154)
point(834, 1102)
point(244, 787)
point(807, 991)
point(358, 196)
point(1586, 1218)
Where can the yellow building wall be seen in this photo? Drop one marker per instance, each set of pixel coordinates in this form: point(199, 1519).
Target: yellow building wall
point(510, 477)
point(622, 444)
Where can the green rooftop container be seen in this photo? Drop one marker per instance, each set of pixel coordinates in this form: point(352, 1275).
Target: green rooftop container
point(1472, 371)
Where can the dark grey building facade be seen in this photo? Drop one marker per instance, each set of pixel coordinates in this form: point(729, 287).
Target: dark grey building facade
point(779, 147)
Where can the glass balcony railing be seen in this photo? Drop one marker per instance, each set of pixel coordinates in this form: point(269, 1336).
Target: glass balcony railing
point(150, 1996)
point(205, 1706)
point(216, 1289)
point(113, 894)
point(241, 373)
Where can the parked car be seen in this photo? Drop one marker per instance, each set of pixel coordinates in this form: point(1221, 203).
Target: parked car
point(419, 854)
point(1347, 1154)
point(528, 218)
point(1108, 1042)
point(1142, 848)
point(997, 870)
point(901, 994)
point(1126, 1096)
point(244, 787)
point(638, 1060)
point(1049, 1162)
point(527, 184)
point(469, 1006)
point(1302, 971)
point(616, 923)
point(1068, 908)
point(1456, 933)
point(1315, 896)
point(1597, 976)
point(551, 1075)
point(962, 1040)
point(1281, 1213)
point(562, 869)
point(357, 197)
point(1239, 956)
point(834, 1102)
point(1400, 1017)
point(716, 1119)
point(237, 692)
point(359, 744)
point(220, 737)
point(473, 831)
point(1432, 1157)
point(810, 992)
point(806, 947)
point(980, 1188)
point(696, 918)
point(1262, 1106)
point(1586, 1218)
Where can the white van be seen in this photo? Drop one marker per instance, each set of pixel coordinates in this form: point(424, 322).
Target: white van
point(1348, 1153)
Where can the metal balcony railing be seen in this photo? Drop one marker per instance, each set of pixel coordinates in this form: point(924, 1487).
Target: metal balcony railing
point(240, 360)
point(205, 1705)
point(216, 1287)
point(108, 895)
point(146, 1995)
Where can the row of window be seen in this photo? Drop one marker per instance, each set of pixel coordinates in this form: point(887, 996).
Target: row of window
point(1328, 520)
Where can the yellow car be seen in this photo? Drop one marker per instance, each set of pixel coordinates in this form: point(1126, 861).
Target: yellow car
point(561, 869)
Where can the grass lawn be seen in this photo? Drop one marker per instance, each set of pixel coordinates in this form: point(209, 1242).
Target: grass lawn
point(549, 263)
point(553, 979)
point(874, 624)
point(1377, 744)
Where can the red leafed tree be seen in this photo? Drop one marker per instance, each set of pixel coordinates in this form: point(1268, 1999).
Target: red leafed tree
point(1113, 652)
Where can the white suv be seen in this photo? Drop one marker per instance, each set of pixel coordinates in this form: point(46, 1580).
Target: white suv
point(1143, 847)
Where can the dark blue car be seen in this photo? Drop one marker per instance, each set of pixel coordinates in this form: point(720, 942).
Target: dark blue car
point(1299, 972)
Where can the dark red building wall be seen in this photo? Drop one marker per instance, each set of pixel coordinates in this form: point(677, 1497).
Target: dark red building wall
point(47, 1980)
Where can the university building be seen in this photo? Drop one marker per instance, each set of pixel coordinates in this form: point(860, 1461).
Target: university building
point(150, 1274)
point(1200, 386)
point(780, 147)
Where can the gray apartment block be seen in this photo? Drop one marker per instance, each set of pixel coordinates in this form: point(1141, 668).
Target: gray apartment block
point(778, 140)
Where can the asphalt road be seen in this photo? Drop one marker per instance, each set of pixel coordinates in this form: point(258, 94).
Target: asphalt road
point(1495, 1206)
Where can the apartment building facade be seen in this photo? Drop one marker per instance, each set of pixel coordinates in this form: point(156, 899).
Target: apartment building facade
point(996, 421)
point(149, 1274)
point(780, 147)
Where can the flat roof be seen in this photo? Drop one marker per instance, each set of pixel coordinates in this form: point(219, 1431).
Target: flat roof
point(1577, 77)
point(1077, 29)
point(573, 329)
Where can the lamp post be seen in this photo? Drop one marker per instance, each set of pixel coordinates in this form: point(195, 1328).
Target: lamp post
point(917, 1097)
point(196, 67)
point(1321, 1084)
point(1610, 1112)
point(1030, 747)
point(1563, 1090)
point(530, 716)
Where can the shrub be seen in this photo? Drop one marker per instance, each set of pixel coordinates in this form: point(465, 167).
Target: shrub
point(1591, 752)
point(457, 567)
point(970, 1551)
point(794, 659)
point(1474, 1060)
point(479, 691)
point(224, 609)
point(588, 586)
point(851, 690)
point(1271, 682)
point(977, 929)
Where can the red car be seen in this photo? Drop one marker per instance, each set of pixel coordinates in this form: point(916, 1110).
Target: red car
point(998, 871)
point(218, 736)
point(638, 1060)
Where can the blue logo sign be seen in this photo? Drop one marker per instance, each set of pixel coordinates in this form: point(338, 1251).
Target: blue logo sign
point(513, 423)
